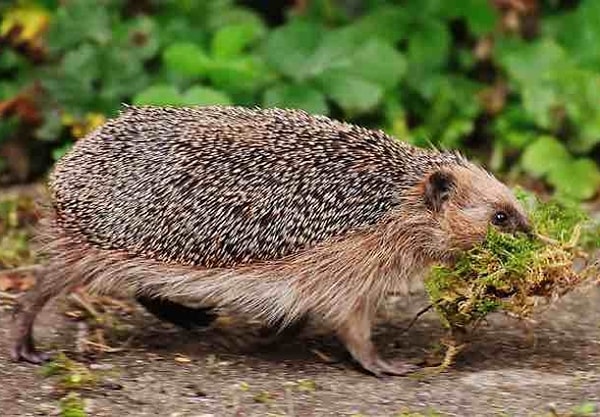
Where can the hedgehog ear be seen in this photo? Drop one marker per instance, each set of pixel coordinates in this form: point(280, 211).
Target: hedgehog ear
point(438, 187)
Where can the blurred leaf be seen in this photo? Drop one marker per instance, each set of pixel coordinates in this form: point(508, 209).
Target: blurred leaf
point(585, 409)
point(121, 77)
point(578, 179)
point(518, 138)
point(579, 32)
point(379, 63)
point(9, 59)
point(296, 96)
point(159, 95)
point(179, 28)
point(397, 123)
point(8, 90)
point(532, 62)
point(187, 59)
point(61, 151)
point(225, 14)
point(289, 48)
point(481, 16)
point(335, 50)
point(536, 67)
point(429, 9)
point(428, 47)
point(387, 23)
point(8, 125)
point(581, 89)
point(139, 37)
point(72, 405)
point(231, 40)
point(81, 62)
point(347, 49)
point(50, 128)
point(539, 101)
point(29, 18)
point(200, 96)
point(81, 126)
point(353, 94)
point(75, 21)
point(408, 65)
point(455, 132)
point(242, 74)
point(542, 155)
point(589, 136)
point(451, 109)
point(72, 82)
point(513, 127)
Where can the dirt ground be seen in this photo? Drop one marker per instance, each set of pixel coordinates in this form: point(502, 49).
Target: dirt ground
point(228, 369)
point(165, 371)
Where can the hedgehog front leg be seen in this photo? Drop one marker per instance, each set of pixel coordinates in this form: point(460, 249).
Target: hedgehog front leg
point(355, 333)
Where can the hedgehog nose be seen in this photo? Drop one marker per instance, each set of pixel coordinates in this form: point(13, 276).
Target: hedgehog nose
point(525, 227)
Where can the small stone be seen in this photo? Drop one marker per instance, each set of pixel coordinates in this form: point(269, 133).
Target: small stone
point(182, 359)
point(110, 384)
point(101, 366)
point(196, 390)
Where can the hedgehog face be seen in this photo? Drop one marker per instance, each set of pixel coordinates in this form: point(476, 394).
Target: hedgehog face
point(466, 201)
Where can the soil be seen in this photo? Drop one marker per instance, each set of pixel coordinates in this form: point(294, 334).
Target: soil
point(225, 371)
point(233, 369)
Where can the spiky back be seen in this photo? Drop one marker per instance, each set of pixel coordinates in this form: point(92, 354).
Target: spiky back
point(221, 186)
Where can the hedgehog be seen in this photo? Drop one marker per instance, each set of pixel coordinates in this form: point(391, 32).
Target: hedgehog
point(278, 214)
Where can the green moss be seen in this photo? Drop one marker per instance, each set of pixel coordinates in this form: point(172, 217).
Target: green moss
point(507, 272)
point(72, 406)
point(585, 409)
point(72, 375)
point(16, 215)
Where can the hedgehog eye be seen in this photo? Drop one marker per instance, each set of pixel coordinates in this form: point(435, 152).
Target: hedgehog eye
point(500, 218)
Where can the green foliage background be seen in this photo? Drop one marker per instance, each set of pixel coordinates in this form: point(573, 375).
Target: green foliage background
point(457, 74)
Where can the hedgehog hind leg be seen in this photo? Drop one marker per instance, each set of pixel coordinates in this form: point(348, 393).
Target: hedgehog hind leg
point(177, 314)
point(355, 333)
point(46, 288)
point(23, 348)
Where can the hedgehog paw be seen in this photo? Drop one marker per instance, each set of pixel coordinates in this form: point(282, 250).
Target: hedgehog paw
point(24, 350)
point(378, 367)
point(396, 367)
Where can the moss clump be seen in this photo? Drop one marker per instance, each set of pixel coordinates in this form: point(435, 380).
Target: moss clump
point(512, 273)
point(16, 217)
point(72, 375)
point(72, 406)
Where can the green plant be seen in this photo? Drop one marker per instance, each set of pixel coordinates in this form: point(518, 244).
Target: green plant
point(456, 75)
point(72, 375)
point(510, 272)
point(16, 218)
point(72, 405)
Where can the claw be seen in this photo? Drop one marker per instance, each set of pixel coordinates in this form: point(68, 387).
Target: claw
point(26, 351)
point(373, 369)
point(378, 367)
point(397, 367)
point(355, 333)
